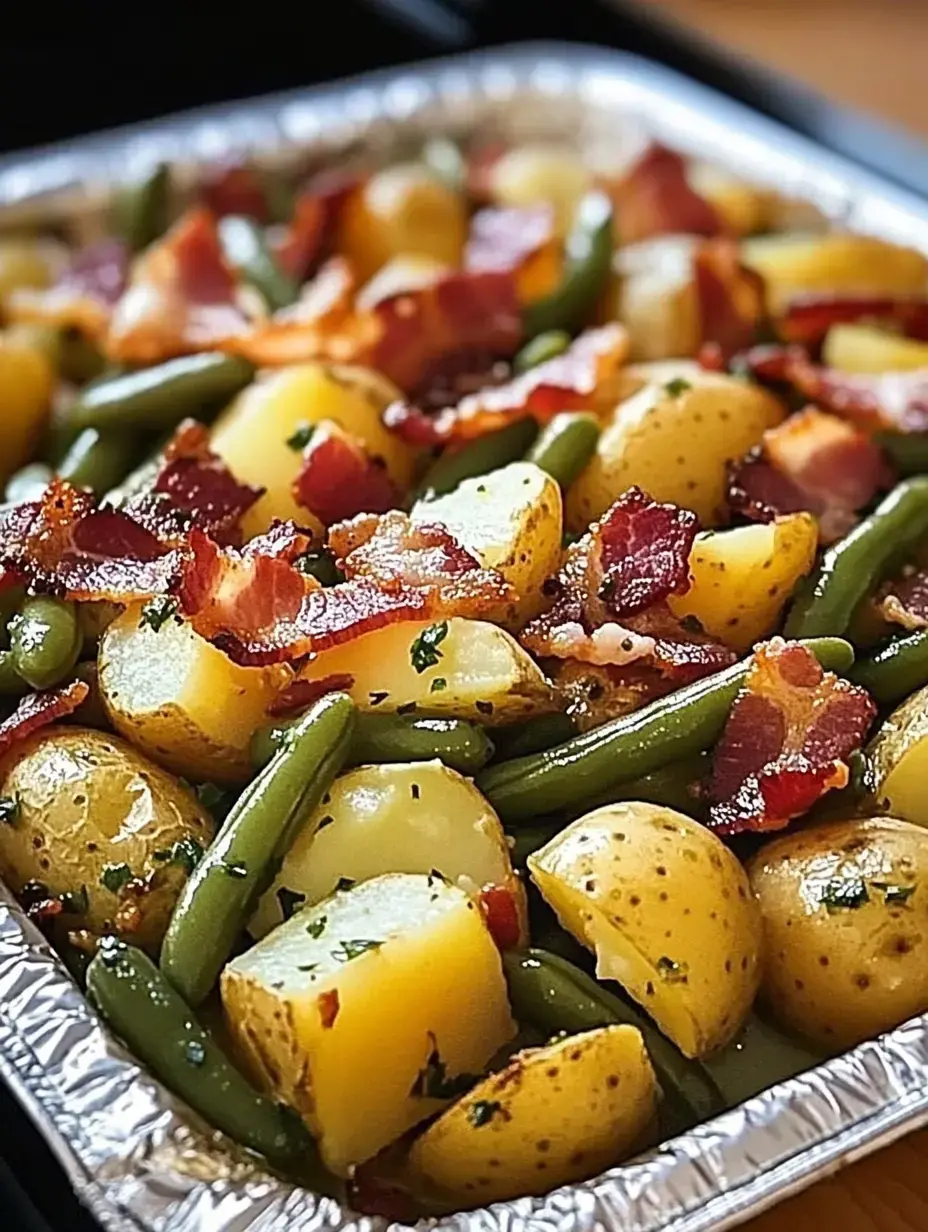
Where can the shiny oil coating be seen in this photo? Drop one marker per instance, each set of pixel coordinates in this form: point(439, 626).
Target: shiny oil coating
point(706, 1181)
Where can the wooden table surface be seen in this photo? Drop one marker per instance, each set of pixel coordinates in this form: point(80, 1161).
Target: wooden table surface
point(870, 54)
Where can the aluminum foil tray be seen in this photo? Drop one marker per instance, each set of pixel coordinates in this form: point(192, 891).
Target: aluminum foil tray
point(136, 1156)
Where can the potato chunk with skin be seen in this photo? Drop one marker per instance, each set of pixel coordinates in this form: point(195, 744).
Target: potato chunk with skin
point(412, 818)
point(844, 905)
point(898, 760)
point(478, 671)
point(511, 520)
point(674, 445)
point(530, 174)
point(554, 1115)
point(405, 955)
point(667, 910)
point(181, 700)
point(252, 436)
point(741, 579)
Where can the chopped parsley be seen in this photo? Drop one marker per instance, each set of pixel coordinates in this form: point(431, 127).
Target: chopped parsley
point(432, 1081)
point(677, 386)
point(345, 883)
point(115, 876)
point(238, 870)
point(672, 972)
point(482, 1111)
point(186, 852)
point(893, 895)
point(290, 901)
point(308, 967)
point(301, 437)
point(195, 1052)
point(158, 611)
point(424, 652)
point(11, 809)
point(845, 894)
point(317, 927)
point(438, 684)
point(354, 949)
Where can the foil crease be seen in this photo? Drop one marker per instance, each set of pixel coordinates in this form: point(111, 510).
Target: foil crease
point(138, 1158)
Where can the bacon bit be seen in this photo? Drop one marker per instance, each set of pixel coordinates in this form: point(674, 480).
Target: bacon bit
point(339, 479)
point(328, 1007)
point(786, 742)
point(808, 318)
point(310, 233)
point(84, 296)
point(585, 376)
point(300, 694)
point(812, 462)
point(655, 198)
point(284, 540)
point(37, 710)
point(645, 552)
point(182, 297)
point(730, 296)
point(520, 240)
point(501, 913)
point(236, 189)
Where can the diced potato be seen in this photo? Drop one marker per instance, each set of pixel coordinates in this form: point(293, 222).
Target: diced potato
point(742, 206)
point(402, 209)
point(674, 445)
point(668, 911)
point(252, 435)
point(403, 818)
point(483, 673)
point(654, 296)
point(529, 174)
point(898, 760)
point(554, 1115)
point(409, 271)
point(741, 579)
point(794, 263)
point(512, 521)
point(26, 383)
point(354, 1011)
point(181, 700)
point(863, 349)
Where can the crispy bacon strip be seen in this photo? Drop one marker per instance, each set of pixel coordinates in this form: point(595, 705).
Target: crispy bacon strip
point(339, 479)
point(808, 318)
point(37, 710)
point(654, 197)
point(587, 375)
point(520, 240)
point(786, 742)
point(812, 462)
point(84, 296)
point(311, 231)
point(730, 296)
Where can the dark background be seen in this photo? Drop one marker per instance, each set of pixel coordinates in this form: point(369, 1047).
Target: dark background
point(96, 69)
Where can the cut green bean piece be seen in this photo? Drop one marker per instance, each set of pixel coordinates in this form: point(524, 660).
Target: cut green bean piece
point(565, 445)
point(246, 250)
point(908, 451)
point(142, 210)
point(589, 257)
point(540, 349)
point(895, 670)
point(98, 460)
point(532, 736)
point(479, 457)
point(45, 640)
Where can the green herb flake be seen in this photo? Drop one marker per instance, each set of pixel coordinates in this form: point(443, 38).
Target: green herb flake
point(307, 967)
point(324, 821)
point(894, 895)
point(672, 972)
point(300, 437)
point(482, 1111)
point(432, 1081)
point(438, 684)
point(11, 809)
point(317, 927)
point(186, 852)
point(844, 894)
point(290, 901)
point(424, 652)
point(195, 1052)
point(115, 876)
point(237, 869)
point(354, 949)
point(677, 386)
point(376, 698)
point(345, 883)
point(158, 611)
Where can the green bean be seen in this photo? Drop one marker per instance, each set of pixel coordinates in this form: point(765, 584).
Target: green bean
point(532, 736)
point(553, 995)
point(895, 669)
point(217, 899)
point(160, 397)
point(381, 738)
point(851, 569)
point(589, 257)
point(11, 683)
point(28, 483)
point(487, 453)
point(565, 446)
point(45, 640)
point(540, 349)
point(584, 769)
point(163, 1033)
point(98, 460)
point(141, 210)
point(908, 451)
point(246, 250)
point(321, 565)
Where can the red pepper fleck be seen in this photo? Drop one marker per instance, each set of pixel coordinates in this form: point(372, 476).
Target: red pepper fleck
point(501, 913)
point(328, 1007)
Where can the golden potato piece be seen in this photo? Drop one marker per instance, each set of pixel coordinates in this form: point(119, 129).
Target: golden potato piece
point(668, 911)
point(843, 906)
point(863, 349)
point(898, 760)
point(530, 174)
